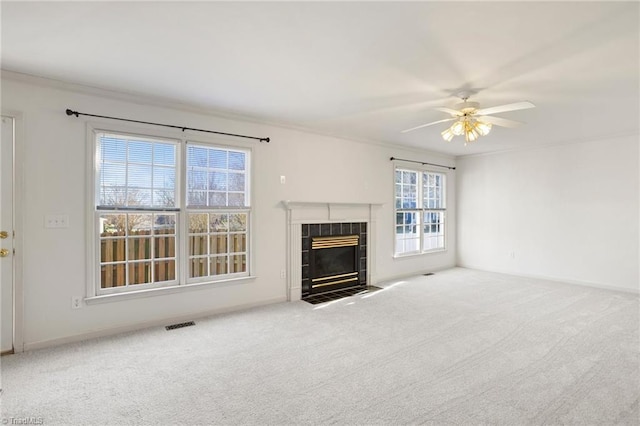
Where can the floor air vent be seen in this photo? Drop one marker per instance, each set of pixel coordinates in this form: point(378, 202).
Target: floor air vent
point(428, 273)
point(182, 324)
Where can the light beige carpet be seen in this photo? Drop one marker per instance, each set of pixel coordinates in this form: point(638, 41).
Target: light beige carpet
point(457, 348)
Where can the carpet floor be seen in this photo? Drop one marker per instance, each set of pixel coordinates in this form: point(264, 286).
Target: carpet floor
point(460, 347)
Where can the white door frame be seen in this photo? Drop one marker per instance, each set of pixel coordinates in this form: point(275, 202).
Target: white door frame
point(18, 291)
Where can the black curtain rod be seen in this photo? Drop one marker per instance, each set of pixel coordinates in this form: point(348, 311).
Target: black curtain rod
point(77, 114)
point(423, 163)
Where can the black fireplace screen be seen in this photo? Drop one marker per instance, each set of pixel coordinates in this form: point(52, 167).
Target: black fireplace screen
point(334, 257)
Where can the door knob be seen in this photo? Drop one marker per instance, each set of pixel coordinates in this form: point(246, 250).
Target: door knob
point(4, 234)
point(4, 252)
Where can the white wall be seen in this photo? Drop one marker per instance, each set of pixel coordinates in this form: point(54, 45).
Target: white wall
point(567, 212)
point(53, 163)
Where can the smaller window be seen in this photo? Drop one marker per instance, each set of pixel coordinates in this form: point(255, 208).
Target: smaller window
point(420, 211)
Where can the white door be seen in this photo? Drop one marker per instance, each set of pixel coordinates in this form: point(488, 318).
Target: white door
point(6, 234)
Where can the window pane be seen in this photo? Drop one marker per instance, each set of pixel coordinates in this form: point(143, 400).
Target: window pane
point(112, 250)
point(140, 273)
point(139, 223)
point(140, 152)
point(236, 160)
point(165, 270)
point(197, 179)
point(139, 249)
point(409, 177)
point(236, 181)
point(164, 198)
point(219, 244)
point(198, 245)
point(164, 224)
point(113, 175)
point(112, 225)
point(217, 199)
point(219, 265)
point(164, 154)
point(238, 263)
point(197, 198)
point(138, 197)
point(219, 222)
point(217, 159)
point(164, 247)
point(113, 149)
point(236, 200)
point(198, 267)
point(113, 196)
point(139, 175)
point(238, 243)
point(196, 156)
point(238, 222)
point(113, 275)
point(218, 181)
point(198, 223)
point(164, 177)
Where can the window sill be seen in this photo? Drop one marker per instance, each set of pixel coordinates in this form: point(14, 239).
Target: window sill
point(414, 254)
point(137, 294)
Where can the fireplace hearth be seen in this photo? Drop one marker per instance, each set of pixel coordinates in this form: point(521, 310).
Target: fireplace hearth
point(333, 257)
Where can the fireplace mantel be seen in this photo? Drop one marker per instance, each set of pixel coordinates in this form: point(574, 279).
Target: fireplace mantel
point(321, 212)
point(302, 212)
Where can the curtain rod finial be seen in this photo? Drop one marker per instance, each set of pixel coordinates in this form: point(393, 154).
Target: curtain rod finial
point(267, 140)
point(69, 112)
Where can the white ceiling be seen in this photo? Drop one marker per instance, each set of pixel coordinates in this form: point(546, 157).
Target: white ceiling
point(359, 70)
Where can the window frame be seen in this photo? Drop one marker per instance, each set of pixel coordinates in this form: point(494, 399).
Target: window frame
point(421, 210)
point(94, 292)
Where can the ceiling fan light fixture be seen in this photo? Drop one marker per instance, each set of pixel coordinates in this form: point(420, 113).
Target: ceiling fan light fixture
point(458, 127)
point(470, 135)
point(483, 128)
point(447, 135)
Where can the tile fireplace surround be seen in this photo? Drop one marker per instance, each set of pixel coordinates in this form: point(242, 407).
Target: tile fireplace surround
point(302, 212)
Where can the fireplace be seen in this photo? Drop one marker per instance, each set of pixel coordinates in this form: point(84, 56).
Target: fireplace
point(333, 257)
point(307, 219)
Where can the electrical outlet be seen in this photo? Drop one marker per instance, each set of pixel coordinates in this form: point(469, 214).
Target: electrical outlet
point(283, 180)
point(512, 254)
point(283, 274)
point(56, 221)
point(76, 302)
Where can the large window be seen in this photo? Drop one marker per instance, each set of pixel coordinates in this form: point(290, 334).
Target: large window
point(420, 211)
point(169, 212)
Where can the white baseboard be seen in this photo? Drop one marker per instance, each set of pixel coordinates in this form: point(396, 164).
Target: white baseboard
point(635, 291)
point(381, 281)
point(139, 326)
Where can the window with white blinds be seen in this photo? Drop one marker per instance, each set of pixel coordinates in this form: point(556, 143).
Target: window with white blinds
point(168, 212)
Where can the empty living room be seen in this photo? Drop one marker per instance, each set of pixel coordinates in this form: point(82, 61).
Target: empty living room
point(313, 213)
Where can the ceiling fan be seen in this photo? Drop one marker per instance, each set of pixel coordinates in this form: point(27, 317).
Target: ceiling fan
point(472, 121)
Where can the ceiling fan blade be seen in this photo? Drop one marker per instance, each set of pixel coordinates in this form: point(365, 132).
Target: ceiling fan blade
point(504, 108)
point(449, 111)
point(498, 121)
point(429, 124)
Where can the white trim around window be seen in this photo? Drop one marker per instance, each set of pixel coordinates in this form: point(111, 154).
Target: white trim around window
point(141, 212)
point(420, 211)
